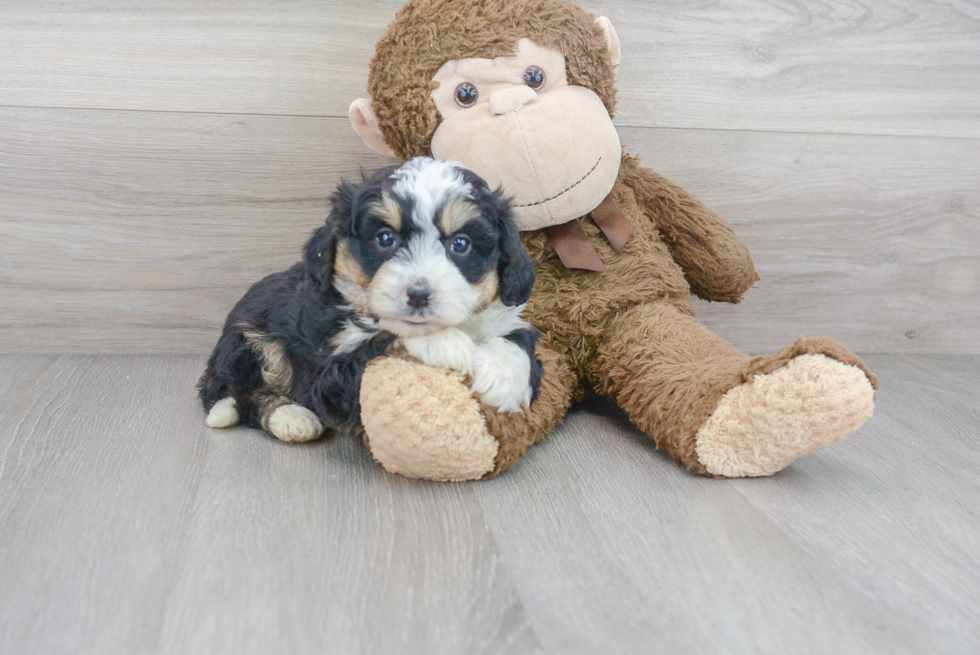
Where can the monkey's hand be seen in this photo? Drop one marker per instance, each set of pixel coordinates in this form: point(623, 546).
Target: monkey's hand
point(423, 422)
point(715, 262)
point(426, 422)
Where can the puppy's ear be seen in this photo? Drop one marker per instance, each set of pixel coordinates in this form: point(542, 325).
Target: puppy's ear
point(320, 249)
point(516, 270)
point(319, 257)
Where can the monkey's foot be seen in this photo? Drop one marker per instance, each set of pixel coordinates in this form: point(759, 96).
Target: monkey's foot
point(759, 427)
point(423, 422)
point(294, 424)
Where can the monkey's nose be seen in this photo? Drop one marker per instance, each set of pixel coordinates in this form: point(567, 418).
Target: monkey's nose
point(511, 99)
point(418, 297)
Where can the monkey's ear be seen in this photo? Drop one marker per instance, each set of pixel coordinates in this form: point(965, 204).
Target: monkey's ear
point(365, 123)
point(612, 39)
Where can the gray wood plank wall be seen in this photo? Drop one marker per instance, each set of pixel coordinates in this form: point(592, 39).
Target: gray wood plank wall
point(158, 157)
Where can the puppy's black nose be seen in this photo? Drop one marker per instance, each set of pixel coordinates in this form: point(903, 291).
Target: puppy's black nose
point(418, 297)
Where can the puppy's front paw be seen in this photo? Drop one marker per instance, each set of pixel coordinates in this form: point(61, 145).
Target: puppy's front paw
point(223, 414)
point(449, 348)
point(294, 424)
point(502, 375)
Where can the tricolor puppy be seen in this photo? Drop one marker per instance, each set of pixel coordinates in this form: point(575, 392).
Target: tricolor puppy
point(421, 258)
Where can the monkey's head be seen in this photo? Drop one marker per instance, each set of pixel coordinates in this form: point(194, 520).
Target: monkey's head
point(520, 91)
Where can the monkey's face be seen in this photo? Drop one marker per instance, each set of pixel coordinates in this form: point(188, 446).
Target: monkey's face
point(516, 122)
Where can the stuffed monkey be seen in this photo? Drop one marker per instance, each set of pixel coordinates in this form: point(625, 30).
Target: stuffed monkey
point(522, 92)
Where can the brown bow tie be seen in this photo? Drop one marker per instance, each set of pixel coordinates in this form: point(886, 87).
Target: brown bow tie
point(572, 245)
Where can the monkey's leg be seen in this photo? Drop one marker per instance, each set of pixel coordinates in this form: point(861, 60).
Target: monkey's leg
point(424, 422)
point(720, 412)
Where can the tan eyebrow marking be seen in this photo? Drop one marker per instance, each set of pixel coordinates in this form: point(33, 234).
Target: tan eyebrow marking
point(346, 266)
point(455, 214)
point(388, 211)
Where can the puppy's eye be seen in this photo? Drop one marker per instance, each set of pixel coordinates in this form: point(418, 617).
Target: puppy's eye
point(534, 77)
point(385, 239)
point(467, 95)
point(461, 245)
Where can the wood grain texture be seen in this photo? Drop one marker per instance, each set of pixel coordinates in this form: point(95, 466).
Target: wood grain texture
point(129, 228)
point(868, 546)
point(137, 232)
point(865, 67)
point(872, 67)
point(348, 559)
point(96, 478)
point(298, 57)
point(126, 526)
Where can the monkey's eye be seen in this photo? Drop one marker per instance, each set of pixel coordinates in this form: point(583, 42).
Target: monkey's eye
point(466, 95)
point(534, 77)
point(461, 245)
point(385, 239)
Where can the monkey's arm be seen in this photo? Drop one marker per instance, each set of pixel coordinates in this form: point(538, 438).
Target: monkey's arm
point(715, 262)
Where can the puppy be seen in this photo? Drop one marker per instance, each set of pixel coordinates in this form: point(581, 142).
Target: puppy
point(420, 258)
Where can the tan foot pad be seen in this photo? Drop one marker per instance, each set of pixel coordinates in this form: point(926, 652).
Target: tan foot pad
point(423, 422)
point(294, 424)
point(761, 426)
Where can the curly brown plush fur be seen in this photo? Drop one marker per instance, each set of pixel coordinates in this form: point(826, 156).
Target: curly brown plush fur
point(631, 331)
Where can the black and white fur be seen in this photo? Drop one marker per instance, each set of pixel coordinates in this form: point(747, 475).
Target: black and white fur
point(421, 258)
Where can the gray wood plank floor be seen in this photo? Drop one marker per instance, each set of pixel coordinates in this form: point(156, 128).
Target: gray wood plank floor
point(126, 526)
